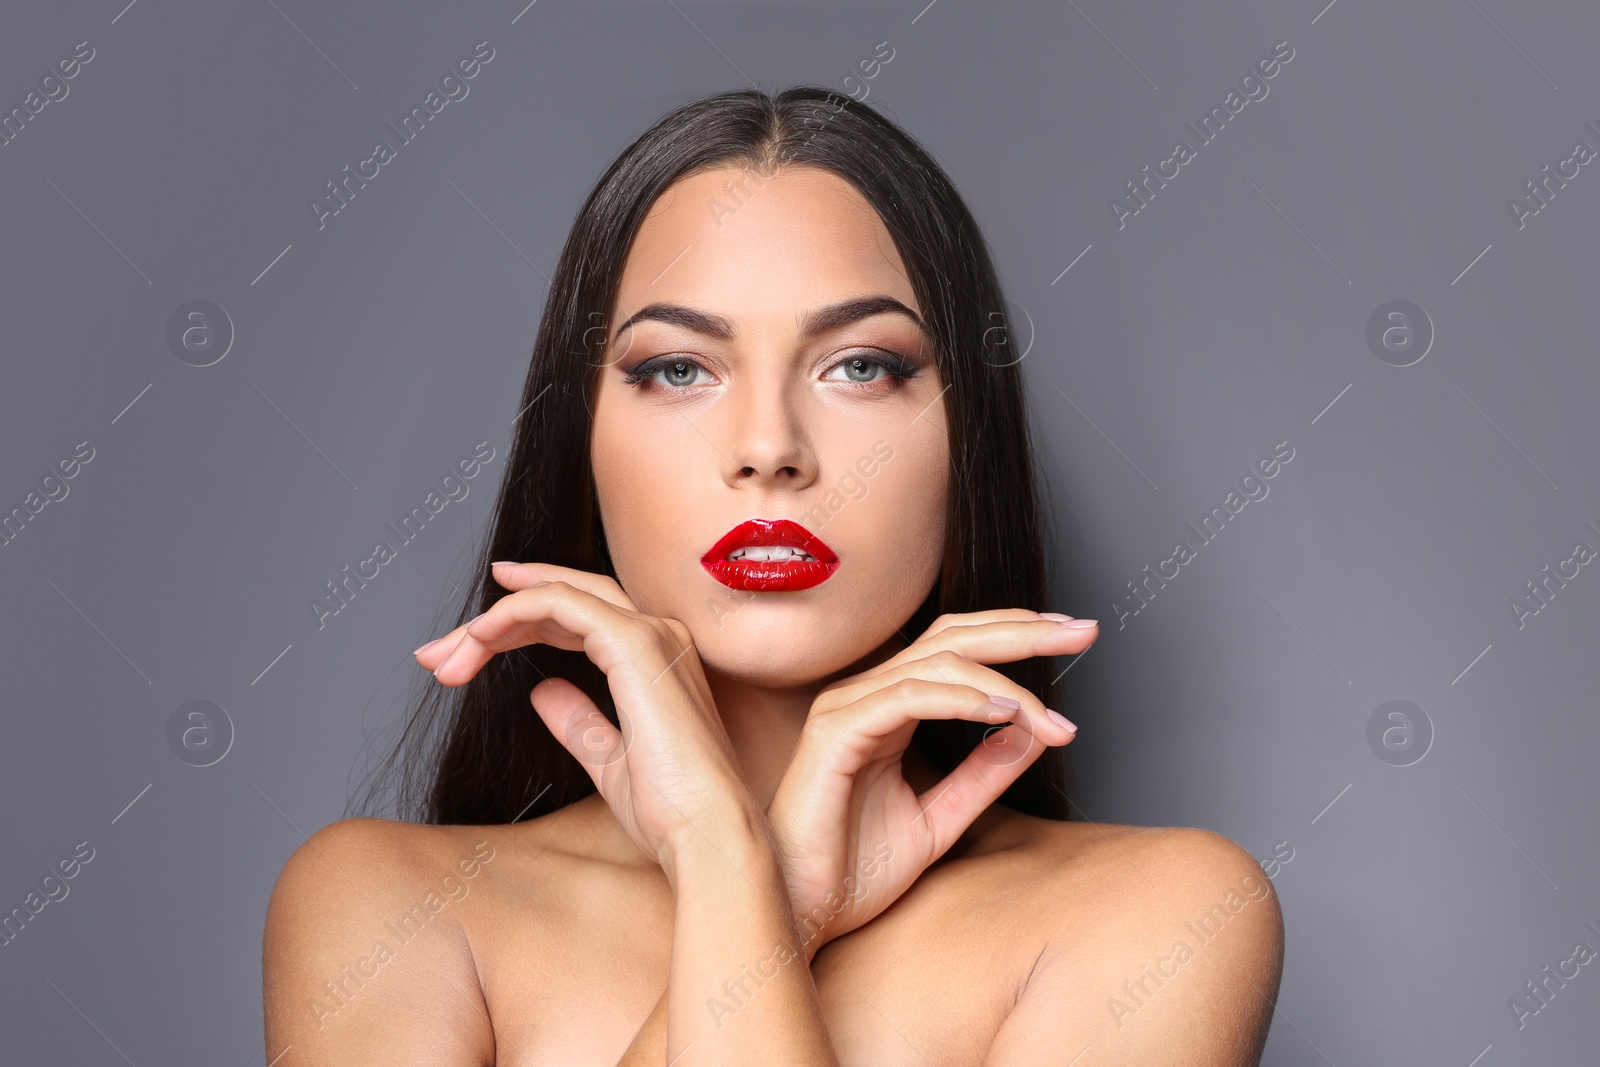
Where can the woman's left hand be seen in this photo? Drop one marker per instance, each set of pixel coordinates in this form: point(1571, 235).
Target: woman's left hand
point(853, 835)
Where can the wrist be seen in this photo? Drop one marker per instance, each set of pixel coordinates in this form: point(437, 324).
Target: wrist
point(737, 835)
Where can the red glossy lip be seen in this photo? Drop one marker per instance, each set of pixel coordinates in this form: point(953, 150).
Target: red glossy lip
point(770, 576)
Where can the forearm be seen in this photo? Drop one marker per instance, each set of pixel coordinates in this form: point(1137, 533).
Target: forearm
point(739, 985)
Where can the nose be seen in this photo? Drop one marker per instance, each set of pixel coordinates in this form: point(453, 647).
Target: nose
point(769, 443)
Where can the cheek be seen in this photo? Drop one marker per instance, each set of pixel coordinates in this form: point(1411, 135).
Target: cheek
point(644, 501)
point(628, 486)
point(897, 529)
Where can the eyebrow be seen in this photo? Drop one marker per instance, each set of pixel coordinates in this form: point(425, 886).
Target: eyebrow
point(816, 321)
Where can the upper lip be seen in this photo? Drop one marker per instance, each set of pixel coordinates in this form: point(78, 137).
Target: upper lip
point(770, 532)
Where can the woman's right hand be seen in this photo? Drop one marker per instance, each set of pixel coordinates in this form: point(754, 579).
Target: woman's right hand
point(671, 771)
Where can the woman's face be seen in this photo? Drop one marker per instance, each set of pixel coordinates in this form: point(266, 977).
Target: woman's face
point(769, 407)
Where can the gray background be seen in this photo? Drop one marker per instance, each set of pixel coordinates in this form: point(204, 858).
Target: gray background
point(1230, 314)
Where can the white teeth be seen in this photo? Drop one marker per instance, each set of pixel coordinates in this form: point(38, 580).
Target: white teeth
point(779, 553)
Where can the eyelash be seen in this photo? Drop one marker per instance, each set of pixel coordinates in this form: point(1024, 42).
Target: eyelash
point(898, 368)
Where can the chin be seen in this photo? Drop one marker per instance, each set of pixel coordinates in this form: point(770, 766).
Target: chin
point(789, 649)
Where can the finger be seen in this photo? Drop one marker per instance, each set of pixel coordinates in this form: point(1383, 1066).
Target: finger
point(580, 726)
point(515, 576)
point(518, 576)
point(950, 806)
point(553, 613)
point(881, 722)
point(953, 668)
point(998, 636)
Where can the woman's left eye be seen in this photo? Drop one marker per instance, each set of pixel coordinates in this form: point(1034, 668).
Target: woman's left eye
point(867, 367)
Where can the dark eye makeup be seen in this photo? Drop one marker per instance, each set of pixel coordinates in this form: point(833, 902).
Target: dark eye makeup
point(897, 369)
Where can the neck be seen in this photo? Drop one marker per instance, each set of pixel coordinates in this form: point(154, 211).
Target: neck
point(764, 722)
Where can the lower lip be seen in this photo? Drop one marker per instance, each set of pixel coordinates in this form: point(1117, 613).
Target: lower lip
point(770, 576)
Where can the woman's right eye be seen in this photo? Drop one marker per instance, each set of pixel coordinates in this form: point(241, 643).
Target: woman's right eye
point(677, 372)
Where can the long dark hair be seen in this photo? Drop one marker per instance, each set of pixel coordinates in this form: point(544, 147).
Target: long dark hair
point(478, 753)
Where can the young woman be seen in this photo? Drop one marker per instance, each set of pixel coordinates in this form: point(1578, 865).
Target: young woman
point(768, 553)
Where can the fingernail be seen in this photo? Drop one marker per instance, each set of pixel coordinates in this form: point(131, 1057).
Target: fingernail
point(423, 648)
point(1005, 702)
point(1061, 720)
point(504, 563)
point(1055, 616)
point(1081, 624)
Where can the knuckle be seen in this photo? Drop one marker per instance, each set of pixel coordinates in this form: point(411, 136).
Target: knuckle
point(820, 729)
point(911, 688)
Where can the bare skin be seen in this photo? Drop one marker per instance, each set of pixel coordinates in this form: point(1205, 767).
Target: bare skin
point(768, 869)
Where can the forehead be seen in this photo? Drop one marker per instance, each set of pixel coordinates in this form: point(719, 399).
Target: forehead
point(749, 245)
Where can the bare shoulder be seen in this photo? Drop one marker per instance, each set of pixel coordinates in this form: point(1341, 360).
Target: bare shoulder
point(364, 954)
point(1167, 946)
